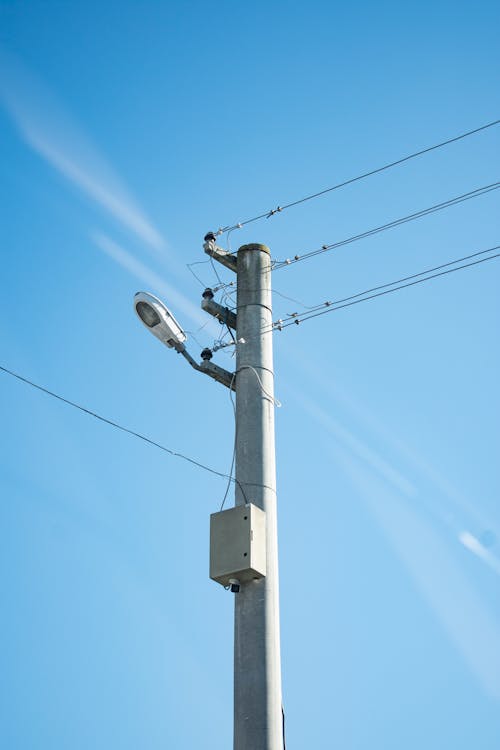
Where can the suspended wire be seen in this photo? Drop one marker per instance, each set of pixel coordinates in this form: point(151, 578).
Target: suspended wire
point(220, 342)
point(268, 396)
point(337, 306)
point(189, 266)
point(329, 303)
point(234, 307)
point(279, 209)
point(195, 339)
point(477, 193)
point(271, 398)
point(224, 285)
point(292, 299)
point(110, 422)
point(211, 261)
point(233, 459)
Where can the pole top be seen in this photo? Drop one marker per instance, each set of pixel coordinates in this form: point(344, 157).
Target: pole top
point(255, 246)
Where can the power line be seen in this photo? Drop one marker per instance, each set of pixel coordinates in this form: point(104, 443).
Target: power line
point(297, 318)
point(117, 426)
point(477, 193)
point(363, 176)
point(329, 303)
point(337, 306)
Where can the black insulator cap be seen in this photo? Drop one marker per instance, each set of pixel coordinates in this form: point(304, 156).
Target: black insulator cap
point(206, 355)
point(209, 236)
point(208, 293)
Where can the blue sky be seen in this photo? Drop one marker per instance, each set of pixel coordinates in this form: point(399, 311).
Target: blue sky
point(128, 130)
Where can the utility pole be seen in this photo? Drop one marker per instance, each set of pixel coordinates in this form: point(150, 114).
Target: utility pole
point(244, 539)
point(257, 663)
point(258, 719)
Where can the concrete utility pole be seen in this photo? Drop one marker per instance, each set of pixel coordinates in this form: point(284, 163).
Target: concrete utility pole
point(257, 662)
point(244, 539)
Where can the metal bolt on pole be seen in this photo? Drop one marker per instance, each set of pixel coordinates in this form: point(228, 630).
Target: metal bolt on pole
point(257, 662)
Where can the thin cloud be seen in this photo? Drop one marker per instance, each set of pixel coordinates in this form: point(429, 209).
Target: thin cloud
point(357, 446)
point(47, 128)
point(454, 508)
point(155, 283)
point(473, 544)
point(385, 470)
point(438, 575)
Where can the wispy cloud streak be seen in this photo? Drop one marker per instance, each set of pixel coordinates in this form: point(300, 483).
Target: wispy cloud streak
point(439, 577)
point(357, 446)
point(427, 556)
point(448, 503)
point(474, 545)
point(52, 134)
point(154, 282)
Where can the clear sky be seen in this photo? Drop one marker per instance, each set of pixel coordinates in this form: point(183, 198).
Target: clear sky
point(128, 130)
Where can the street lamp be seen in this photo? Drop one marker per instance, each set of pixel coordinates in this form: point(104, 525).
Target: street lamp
point(158, 319)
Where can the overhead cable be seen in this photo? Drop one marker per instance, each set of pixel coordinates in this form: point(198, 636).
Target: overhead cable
point(364, 175)
point(338, 306)
point(118, 426)
point(329, 303)
point(477, 193)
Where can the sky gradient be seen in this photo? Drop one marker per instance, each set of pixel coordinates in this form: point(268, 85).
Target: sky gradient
point(127, 131)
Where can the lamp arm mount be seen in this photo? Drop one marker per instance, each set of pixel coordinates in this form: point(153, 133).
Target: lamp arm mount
point(208, 368)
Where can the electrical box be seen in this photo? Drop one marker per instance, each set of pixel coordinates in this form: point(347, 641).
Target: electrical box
point(238, 544)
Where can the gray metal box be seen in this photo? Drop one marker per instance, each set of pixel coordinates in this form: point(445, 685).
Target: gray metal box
point(238, 544)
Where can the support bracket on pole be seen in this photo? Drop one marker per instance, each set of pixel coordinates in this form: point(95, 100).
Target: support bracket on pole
point(217, 253)
point(208, 368)
point(219, 374)
point(223, 314)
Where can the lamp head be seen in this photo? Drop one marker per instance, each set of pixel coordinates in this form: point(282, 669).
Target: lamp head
point(157, 317)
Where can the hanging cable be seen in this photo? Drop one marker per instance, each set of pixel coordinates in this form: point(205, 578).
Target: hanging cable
point(231, 468)
point(477, 193)
point(189, 266)
point(268, 396)
point(364, 175)
point(120, 427)
point(333, 306)
point(231, 396)
point(329, 303)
